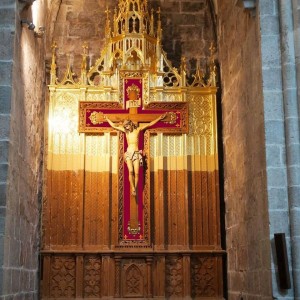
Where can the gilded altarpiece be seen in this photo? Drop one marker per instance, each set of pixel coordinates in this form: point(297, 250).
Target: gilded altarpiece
point(89, 247)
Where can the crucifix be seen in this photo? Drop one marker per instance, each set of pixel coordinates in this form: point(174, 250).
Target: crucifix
point(132, 119)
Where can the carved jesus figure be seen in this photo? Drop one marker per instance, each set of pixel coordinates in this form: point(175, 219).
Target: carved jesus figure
point(133, 155)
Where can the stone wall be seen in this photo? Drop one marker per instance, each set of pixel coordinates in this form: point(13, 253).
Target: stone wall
point(246, 200)
point(21, 135)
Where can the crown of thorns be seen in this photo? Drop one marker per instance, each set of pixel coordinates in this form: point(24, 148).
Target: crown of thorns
point(129, 122)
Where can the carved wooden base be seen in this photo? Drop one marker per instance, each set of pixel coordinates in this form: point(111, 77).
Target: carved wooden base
point(138, 275)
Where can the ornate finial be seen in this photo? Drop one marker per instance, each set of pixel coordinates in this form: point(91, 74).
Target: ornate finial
point(85, 48)
point(69, 75)
point(53, 64)
point(152, 22)
point(53, 47)
point(212, 66)
point(134, 24)
point(115, 22)
point(198, 77)
point(107, 26)
point(183, 70)
point(183, 64)
point(107, 11)
point(84, 63)
point(159, 30)
point(212, 49)
point(158, 13)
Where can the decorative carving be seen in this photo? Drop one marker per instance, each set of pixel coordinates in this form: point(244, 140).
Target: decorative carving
point(96, 117)
point(174, 276)
point(134, 278)
point(133, 92)
point(117, 276)
point(92, 277)
point(53, 79)
point(121, 186)
point(171, 96)
point(136, 75)
point(95, 76)
point(201, 119)
point(203, 271)
point(171, 77)
point(63, 277)
point(133, 282)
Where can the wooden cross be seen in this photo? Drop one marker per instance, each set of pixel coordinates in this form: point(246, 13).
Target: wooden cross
point(92, 120)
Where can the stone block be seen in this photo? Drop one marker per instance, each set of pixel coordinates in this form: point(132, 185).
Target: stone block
point(290, 101)
point(272, 79)
point(5, 72)
point(294, 175)
point(16, 281)
point(6, 46)
point(170, 6)
point(3, 194)
point(4, 147)
point(292, 133)
point(7, 16)
point(1, 283)
point(32, 280)
point(266, 7)
point(274, 133)
point(276, 177)
point(6, 3)
point(2, 211)
point(60, 29)
point(3, 172)
point(279, 222)
point(5, 99)
point(295, 224)
point(84, 30)
point(278, 198)
point(271, 55)
point(7, 281)
point(289, 76)
point(269, 25)
point(275, 156)
point(4, 126)
point(294, 194)
point(2, 226)
point(192, 7)
point(14, 255)
point(273, 105)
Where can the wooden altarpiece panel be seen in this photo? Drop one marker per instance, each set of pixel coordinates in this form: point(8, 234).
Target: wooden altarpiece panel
point(91, 246)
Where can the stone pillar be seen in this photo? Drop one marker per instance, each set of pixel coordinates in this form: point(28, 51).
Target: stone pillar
point(7, 26)
point(245, 186)
point(294, 189)
point(21, 134)
point(281, 130)
point(291, 111)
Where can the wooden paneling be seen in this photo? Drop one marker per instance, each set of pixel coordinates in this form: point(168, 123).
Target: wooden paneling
point(64, 223)
point(69, 276)
point(205, 212)
point(185, 218)
point(97, 202)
